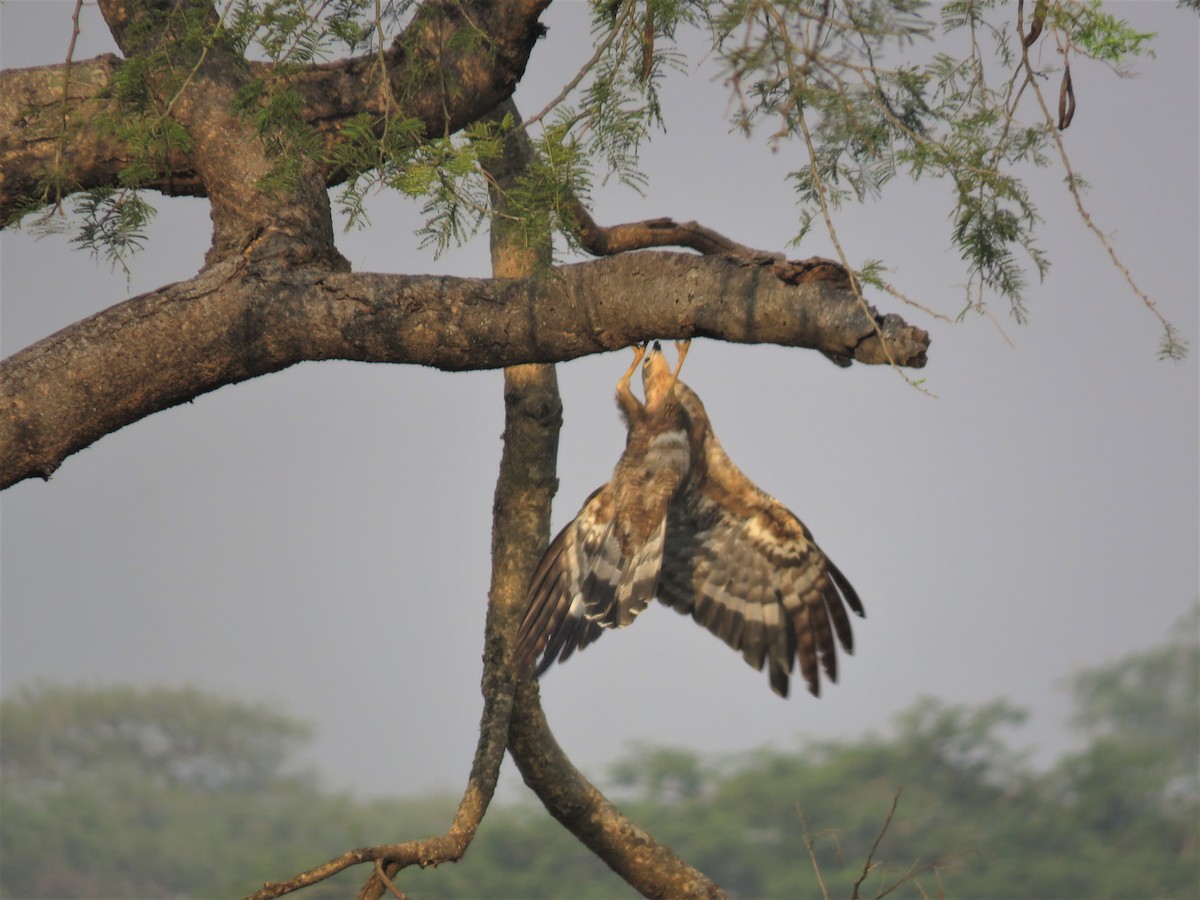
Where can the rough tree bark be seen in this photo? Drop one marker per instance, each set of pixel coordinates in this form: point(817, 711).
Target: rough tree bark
point(240, 318)
point(36, 139)
point(654, 869)
point(274, 291)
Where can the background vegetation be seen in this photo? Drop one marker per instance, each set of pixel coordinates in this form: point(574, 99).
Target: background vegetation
point(169, 792)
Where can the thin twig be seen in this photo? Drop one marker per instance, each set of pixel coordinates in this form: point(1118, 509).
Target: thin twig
point(914, 870)
point(867, 866)
point(385, 82)
point(983, 310)
point(1073, 187)
point(837, 245)
point(812, 854)
point(570, 86)
point(62, 135)
point(890, 288)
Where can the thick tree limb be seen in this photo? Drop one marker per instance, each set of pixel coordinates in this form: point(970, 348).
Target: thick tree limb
point(230, 158)
point(34, 152)
point(651, 868)
point(237, 320)
point(520, 524)
point(525, 488)
point(644, 863)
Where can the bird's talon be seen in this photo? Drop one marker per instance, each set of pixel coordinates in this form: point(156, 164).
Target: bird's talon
point(639, 350)
point(682, 348)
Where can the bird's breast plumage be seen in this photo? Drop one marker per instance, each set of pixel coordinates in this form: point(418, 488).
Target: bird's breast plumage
point(680, 521)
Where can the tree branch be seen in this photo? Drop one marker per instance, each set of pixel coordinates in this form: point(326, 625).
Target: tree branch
point(645, 864)
point(239, 319)
point(31, 100)
point(662, 232)
point(651, 868)
point(525, 488)
point(520, 523)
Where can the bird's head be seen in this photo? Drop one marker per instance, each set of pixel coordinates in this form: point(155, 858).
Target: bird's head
point(658, 379)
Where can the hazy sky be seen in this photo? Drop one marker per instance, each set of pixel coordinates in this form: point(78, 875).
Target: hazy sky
point(319, 538)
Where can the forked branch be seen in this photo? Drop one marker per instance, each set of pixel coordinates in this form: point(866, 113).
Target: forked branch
point(648, 866)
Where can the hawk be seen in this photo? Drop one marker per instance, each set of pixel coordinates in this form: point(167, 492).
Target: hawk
point(681, 522)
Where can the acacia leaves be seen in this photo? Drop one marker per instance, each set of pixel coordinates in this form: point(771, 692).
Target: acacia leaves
point(857, 86)
point(868, 90)
point(112, 224)
point(1099, 34)
point(296, 32)
point(823, 72)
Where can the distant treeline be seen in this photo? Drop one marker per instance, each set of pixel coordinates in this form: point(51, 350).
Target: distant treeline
point(123, 792)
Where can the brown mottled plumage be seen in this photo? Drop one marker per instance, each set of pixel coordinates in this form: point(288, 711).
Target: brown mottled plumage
point(681, 522)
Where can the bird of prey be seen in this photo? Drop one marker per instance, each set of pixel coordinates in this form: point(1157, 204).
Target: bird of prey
point(681, 522)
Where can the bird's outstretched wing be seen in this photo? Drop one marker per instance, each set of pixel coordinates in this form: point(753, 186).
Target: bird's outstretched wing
point(584, 552)
point(601, 571)
point(749, 571)
point(681, 522)
point(603, 568)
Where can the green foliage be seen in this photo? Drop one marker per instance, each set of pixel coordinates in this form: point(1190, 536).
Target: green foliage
point(152, 139)
point(620, 103)
point(112, 224)
point(1172, 345)
point(825, 74)
point(558, 176)
point(289, 141)
point(294, 32)
point(119, 792)
point(455, 194)
point(172, 737)
point(151, 135)
point(366, 159)
point(857, 83)
point(186, 27)
point(443, 172)
point(1100, 34)
point(821, 77)
point(871, 272)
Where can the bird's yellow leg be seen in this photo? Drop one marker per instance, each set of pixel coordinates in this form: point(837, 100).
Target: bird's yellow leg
point(624, 395)
point(681, 348)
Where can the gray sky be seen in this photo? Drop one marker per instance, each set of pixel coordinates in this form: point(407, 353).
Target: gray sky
point(319, 538)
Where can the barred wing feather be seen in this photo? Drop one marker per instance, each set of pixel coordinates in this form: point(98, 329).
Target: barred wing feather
point(749, 571)
point(580, 557)
point(681, 522)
